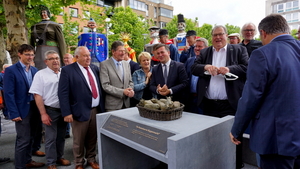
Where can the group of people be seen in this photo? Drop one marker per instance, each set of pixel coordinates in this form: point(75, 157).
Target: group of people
point(217, 80)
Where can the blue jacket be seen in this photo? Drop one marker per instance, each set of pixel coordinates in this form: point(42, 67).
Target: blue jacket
point(174, 53)
point(75, 96)
point(270, 99)
point(16, 87)
point(187, 54)
point(138, 78)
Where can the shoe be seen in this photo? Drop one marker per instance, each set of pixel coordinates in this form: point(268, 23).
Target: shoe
point(51, 167)
point(79, 167)
point(34, 164)
point(67, 136)
point(94, 165)
point(39, 154)
point(63, 162)
point(4, 160)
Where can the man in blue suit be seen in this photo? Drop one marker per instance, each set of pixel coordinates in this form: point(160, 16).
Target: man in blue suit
point(21, 106)
point(80, 104)
point(270, 98)
point(169, 78)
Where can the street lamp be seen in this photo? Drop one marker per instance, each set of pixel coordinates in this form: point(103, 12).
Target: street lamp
point(145, 36)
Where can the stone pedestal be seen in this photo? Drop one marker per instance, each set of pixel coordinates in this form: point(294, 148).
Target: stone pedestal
point(199, 142)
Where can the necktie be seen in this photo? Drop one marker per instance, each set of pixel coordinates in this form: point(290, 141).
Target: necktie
point(119, 70)
point(165, 73)
point(92, 83)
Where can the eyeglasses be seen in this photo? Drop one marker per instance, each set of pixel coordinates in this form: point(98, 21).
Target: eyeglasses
point(232, 38)
point(218, 34)
point(27, 54)
point(249, 30)
point(51, 59)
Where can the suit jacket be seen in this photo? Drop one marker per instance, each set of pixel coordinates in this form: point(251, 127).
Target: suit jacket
point(113, 85)
point(133, 66)
point(75, 96)
point(271, 99)
point(177, 79)
point(187, 54)
point(236, 61)
point(16, 87)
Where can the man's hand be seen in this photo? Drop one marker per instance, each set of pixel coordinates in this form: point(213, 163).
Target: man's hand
point(68, 118)
point(213, 70)
point(234, 140)
point(46, 119)
point(223, 70)
point(17, 119)
point(128, 92)
point(186, 48)
point(164, 91)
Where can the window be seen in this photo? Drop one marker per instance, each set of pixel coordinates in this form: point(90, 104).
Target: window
point(73, 12)
point(62, 11)
point(86, 29)
point(166, 12)
point(86, 14)
point(155, 12)
point(134, 4)
point(280, 8)
point(292, 17)
point(100, 3)
point(163, 24)
point(147, 9)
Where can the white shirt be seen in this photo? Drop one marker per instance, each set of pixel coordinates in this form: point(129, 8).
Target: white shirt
point(45, 84)
point(216, 88)
point(95, 102)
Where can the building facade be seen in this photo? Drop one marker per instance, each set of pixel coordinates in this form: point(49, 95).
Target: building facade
point(289, 9)
point(161, 13)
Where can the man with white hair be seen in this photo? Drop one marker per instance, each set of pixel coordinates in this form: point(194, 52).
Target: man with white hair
point(248, 32)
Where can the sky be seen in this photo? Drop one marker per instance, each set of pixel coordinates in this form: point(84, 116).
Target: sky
point(220, 12)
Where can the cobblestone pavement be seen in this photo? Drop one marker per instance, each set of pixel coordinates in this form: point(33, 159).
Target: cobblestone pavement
point(7, 142)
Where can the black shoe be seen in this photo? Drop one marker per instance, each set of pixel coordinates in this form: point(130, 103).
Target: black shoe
point(4, 160)
point(67, 136)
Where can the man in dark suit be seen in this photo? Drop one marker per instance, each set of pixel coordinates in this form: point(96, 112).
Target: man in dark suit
point(169, 78)
point(80, 104)
point(192, 96)
point(21, 106)
point(217, 96)
point(271, 96)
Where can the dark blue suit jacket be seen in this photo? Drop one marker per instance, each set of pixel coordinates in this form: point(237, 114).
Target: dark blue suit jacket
point(75, 96)
point(189, 53)
point(177, 79)
point(236, 61)
point(134, 66)
point(271, 99)
point(16, 87)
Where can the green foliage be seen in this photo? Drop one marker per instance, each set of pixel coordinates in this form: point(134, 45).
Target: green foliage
point(232, 29)
point(205, 32)
point(124, 20)
point(293, 33)
point(70, 31)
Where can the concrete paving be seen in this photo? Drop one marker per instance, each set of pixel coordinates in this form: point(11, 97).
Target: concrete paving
point(7, 142)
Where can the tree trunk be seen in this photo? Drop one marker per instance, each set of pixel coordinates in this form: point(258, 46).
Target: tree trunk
point(16, 26)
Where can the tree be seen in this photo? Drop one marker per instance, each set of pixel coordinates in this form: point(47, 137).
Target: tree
point(205, 32)
point(232, 29)
point(16, 23)
point(124, 20)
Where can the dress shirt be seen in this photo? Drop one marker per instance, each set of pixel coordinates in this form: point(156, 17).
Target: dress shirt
point(95, 102)
point(45, 84)
point(119, 67)
point(28, 77)
point(216, 88)
point(168, 69)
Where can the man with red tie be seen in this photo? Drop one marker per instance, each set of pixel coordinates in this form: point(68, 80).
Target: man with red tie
point(80, 104)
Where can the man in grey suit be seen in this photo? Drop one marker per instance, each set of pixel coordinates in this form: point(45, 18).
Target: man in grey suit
point(116, 79)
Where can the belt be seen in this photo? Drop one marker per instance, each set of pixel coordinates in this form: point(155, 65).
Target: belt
point(52, 108)
point(216, 100)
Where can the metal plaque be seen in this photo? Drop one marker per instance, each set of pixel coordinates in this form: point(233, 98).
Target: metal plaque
point(147, 136)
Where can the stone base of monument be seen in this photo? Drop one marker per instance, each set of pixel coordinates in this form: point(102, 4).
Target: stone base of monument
point(127, 140)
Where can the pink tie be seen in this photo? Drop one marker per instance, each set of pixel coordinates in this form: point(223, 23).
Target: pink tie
point(92, 83)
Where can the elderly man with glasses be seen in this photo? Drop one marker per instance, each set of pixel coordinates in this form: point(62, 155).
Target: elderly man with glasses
point(248, 32)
